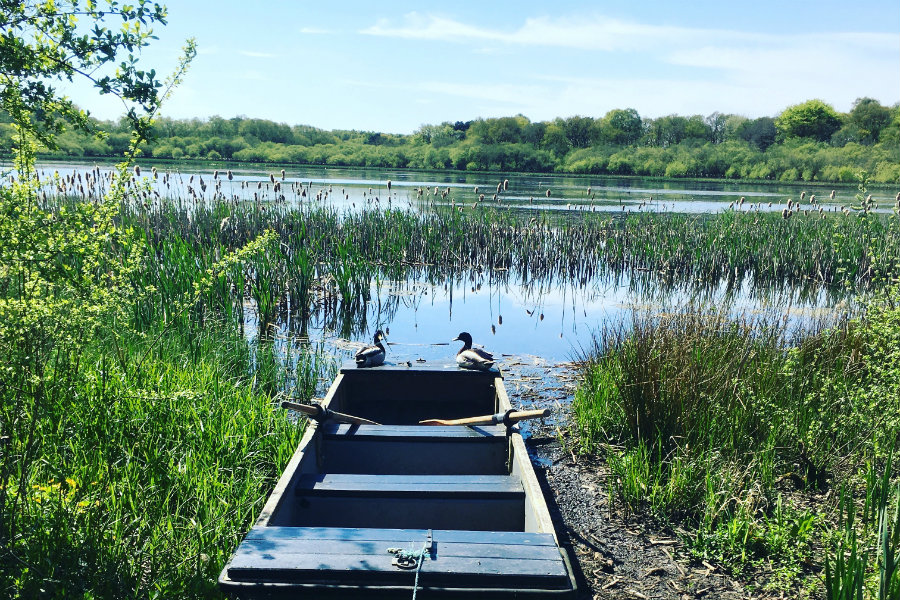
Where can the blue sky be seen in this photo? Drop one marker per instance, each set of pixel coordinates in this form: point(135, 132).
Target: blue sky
point(394, 66)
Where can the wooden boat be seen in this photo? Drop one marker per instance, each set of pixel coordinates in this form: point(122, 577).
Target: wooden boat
point(371, 510)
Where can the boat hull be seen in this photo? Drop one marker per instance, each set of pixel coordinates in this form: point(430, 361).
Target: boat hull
point(367, 511)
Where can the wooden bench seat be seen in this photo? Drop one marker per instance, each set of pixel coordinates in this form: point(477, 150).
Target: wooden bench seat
point(348, 555)
point(472, 502)
point(415, 449)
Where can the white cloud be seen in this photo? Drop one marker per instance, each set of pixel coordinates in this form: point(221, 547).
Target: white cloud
point(754, 72)
point(314, 31)
point(593, 32)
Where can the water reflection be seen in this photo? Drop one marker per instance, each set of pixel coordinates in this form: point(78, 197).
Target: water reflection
point(552, 320)
point(356, 188)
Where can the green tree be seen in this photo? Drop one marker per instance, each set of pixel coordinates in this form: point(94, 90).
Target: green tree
point(812, 119)
point(65, 271)
point(716, 123)
point(759, 132)
point(47, 42)
point(581, 132)
point(733, 124)
point(498, 131)
point(870, 118)
point(621, 126)
point(555, 139)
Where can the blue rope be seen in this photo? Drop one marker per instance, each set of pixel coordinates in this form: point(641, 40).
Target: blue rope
point(422, 554)
point(419, 557)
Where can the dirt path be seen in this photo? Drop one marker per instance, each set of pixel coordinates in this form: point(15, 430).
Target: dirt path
point(615, 556)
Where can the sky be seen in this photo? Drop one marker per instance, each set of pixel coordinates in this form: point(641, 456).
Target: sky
point(389, 66)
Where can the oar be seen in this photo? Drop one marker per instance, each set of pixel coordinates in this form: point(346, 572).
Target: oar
point(320, 413)
point(507, 418)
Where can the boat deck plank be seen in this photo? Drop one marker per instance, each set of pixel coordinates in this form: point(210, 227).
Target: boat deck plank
point(400, 537)
point(432, 486)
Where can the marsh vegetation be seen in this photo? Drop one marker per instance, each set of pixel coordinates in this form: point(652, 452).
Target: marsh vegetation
point(151, 320)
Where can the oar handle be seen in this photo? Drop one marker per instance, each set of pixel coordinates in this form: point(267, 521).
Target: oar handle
point(507, 418)
point(321, 414)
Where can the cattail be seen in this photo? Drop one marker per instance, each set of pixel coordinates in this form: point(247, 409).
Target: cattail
point(271, 178)
point(548, 193)
point(589, 191)
point(785, 213)
point(282, 174)
point(389, 184)
point(216, 174)
point(230, 175)
point(137, 170)
point(832, 194)
point(812, 199)
point(481, 198)
point(505, 184)
point(802, 196)
point(476, 189)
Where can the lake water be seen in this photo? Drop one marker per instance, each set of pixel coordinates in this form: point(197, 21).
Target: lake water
point(349, 188)
point(525, 322)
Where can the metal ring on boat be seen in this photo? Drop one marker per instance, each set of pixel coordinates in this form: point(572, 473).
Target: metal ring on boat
point(404, 561)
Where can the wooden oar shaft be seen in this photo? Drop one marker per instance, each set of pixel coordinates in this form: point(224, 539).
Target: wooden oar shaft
point(511, 417)
point(317, 411)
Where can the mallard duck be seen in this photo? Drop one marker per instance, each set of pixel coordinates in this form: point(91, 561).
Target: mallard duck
point(472, 358)
point(372, 356)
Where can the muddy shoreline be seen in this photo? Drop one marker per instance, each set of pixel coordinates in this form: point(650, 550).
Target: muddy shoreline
point(615, 555)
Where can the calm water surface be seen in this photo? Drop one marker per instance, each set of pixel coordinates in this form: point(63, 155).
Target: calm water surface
point(522, 321)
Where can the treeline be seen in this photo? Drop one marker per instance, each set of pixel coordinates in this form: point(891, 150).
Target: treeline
point(808, 141)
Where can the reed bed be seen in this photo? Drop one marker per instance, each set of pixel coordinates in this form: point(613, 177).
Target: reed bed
point(734, 428)
point(331, 257)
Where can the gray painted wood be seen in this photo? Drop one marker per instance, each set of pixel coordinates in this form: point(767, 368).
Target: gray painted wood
point(425, 486)
point(359, 547)
point(401, 536)
point(458, 571)
point(352, 492)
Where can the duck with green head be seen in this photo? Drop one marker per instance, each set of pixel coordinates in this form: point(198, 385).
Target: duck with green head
point(372, 356)
point(472, 358)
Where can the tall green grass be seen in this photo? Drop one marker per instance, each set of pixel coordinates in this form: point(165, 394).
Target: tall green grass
point(717, 424)
point(326, 257)
point(140, 482)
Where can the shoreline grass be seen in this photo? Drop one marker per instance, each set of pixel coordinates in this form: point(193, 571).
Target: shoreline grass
point(738, 432)
point(142, 479)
